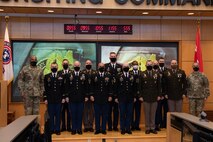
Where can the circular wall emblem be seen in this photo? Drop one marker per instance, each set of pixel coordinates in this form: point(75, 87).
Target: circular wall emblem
point(7, 55)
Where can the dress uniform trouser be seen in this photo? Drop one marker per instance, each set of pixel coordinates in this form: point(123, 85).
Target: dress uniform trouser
point(54, 111)
point(65, 110)
point(136, 114)
point(113, 107)
point(149, 111)
point(161, 113)
point(175, 105)
point(101, 112)
point(88, 116)
point(77, 114)
point(125, 115)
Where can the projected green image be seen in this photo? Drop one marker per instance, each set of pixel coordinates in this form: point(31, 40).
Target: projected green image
point(48, 52)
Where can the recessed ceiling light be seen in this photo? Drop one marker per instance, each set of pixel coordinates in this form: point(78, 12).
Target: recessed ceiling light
point(98, 12)
point(145, 13)
point(50, 11)
point(1, 10)
point(190, 13)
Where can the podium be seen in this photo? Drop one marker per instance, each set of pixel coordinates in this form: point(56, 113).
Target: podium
point(183, 127)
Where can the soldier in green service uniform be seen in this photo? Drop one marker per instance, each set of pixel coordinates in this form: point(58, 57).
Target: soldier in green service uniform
point(30, 84)
point(197, 90)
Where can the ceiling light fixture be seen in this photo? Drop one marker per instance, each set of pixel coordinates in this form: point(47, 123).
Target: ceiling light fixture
point(99, 12)
point(145, 13)
point(50, 11)
point(190, 13)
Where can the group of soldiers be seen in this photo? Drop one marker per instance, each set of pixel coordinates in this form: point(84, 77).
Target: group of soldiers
point(111, 91)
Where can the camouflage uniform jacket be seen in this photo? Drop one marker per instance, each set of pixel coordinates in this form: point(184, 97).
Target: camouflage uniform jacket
point(30, 81)
point(198, 85)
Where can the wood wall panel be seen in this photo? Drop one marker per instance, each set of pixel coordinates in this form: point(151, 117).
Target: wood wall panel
point(208, 68)
point(1, 27)
point(170, 29)
point(19, 28)
point(136, 29)
point(83, 36)
point(41, 28)
point(207, 50)
point(187, 67)
point(108, 37)
point(206, 30)
point(150, 30)
point(58, 29)
point(188, 48)
point(189, 29)
point(210, 98)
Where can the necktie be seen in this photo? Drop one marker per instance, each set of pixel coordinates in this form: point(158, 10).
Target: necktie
point(113, 66)
point(76, 73)
point(150, 73)
point(54, 75)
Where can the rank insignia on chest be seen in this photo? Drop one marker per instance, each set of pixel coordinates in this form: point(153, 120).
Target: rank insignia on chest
point(155, 76)
point(107, 79)
point(169, 74)
point(179, 75)
point(48, 80)
point(118, 69)
point(144, 76)
point(121, 79)
point(89, 81)
point(60, 78)
point(108, 69)
point(96, 79)
point(71, 77)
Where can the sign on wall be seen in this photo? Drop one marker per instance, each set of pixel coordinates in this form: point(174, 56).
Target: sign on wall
point(97, 29)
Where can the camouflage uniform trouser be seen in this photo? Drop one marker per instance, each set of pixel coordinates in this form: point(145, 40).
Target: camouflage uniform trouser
point(196, 106)
point(31, 105)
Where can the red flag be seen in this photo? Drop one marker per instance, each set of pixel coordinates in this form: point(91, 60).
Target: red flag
point(198, 53)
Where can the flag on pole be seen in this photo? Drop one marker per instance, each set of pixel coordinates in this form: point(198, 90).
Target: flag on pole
point(7, 58)
point(198, 53)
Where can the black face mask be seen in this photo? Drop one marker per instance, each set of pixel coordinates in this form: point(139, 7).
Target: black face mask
point(161, 65)
point(113, 60)
point(54, 70)
point(33, 63)
point(126, 69)
point(101, 69)
point(149, 68)
point(196, 68)
point(155, 67)
point(65, 66)
point(88, 67)
point(174, 67)
point(76, 68)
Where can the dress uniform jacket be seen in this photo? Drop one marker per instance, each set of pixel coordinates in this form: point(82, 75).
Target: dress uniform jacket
point(54, 88)
point(150, 86)
point(175, 82)
point(89, 80)
point(102, 88)
point(137, 76)
point(77, 87)
point(126, 88)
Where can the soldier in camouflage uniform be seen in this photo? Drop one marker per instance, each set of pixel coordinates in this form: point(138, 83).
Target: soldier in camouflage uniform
point(197, 90)
point(30, 84)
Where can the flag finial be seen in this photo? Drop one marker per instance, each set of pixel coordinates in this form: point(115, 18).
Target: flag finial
point(6, 18)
